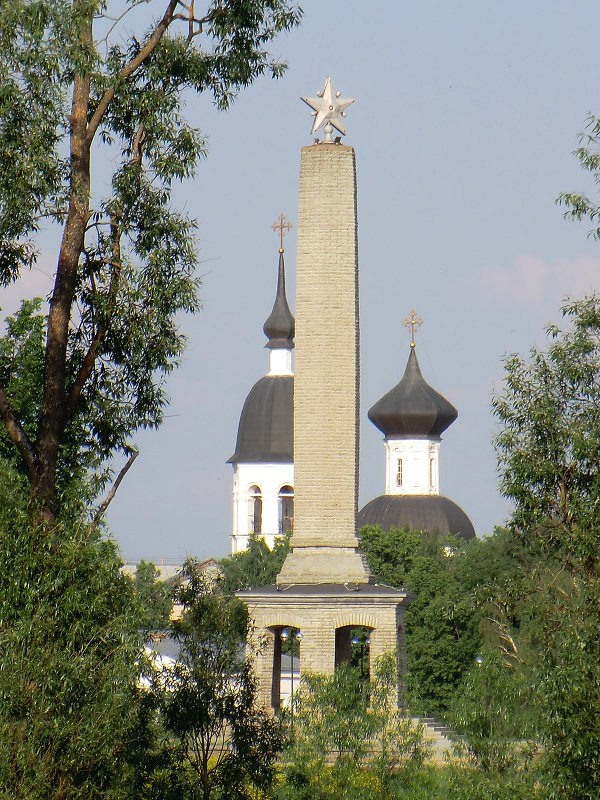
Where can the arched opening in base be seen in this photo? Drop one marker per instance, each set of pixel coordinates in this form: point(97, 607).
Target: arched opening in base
point(352, 646)
point(286, 666)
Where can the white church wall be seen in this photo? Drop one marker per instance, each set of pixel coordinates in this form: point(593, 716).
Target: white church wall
point(412, 466)
point(280, 362)
point(269, 478)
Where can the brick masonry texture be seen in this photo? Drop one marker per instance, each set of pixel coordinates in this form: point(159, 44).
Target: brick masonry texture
point(326, 384)
point(326, 405)
point(318, 620)
point(326, 361)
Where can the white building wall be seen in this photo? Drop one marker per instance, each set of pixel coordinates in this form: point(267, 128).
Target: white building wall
point(420, 466)
point(270, 478)
point(280, 362)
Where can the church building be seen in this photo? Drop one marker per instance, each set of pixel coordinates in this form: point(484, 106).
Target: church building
point(263, 462)
point(412, 416)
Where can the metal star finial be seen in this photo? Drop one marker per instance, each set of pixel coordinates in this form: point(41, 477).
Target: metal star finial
point(413, 322)
point(329, 109)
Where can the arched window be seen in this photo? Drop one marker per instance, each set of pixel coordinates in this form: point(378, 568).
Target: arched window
point(286, 509)
point(399, 473)
point(254, 509)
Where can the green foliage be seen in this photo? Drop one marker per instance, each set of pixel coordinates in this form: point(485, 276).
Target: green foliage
point(256, 566)
point(442, 622)
point(154, 596)
point(549, 441)
point(76, 88)
point(21, 370)
point(565, 684)
point(350, 740)
point(221, 744)
point(466, 781)
point(588, 154)
point(21, 373)
point(491, 712)
point(536, 691)
point(44, 46)
point(72, 723)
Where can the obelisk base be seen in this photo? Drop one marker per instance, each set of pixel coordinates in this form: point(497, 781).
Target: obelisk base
point(325, 615)
point(311, 565)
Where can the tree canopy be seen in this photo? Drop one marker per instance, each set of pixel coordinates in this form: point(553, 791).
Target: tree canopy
point(548, 446)
point(219, 743)
point(256, 566)
point(442, 620)
point(549, 440)
point(77, 90)
point(72, 723)
point(154, 596)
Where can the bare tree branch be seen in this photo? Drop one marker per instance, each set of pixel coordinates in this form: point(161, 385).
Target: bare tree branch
point(116, 20)
point(131, 67)
point(101, 510)
point(15, 431)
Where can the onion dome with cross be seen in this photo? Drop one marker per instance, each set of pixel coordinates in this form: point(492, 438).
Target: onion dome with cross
point(412, 416)
point(263, 481)
point(413, 408)
point(279, 327)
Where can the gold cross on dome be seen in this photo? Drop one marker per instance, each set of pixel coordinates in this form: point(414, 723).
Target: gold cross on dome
point(413, 322)
point(281, 226)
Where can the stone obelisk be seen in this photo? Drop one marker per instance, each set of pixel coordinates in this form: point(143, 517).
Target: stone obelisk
point(326, 391)
point(324, 589)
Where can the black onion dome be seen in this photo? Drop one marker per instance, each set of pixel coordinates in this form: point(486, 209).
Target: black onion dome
point(266, 429)
point(430, 513)
point(412, 407)
point(279, 327)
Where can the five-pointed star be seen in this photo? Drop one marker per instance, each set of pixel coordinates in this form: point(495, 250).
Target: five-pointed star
point(328, 107)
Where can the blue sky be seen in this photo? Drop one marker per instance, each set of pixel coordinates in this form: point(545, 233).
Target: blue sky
point(465, 120)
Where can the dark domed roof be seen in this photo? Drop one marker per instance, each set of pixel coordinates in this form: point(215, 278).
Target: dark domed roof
point(266, 429)
point(430, 513)
point(412, 407)
point(280, 325)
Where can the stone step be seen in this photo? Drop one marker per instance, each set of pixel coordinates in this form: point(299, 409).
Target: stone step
point(438, 737)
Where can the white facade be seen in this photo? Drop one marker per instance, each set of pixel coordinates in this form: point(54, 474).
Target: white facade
point(263, 493)
point(262, 502)
point(263, 484)
point(412, 466)
point(280, 362)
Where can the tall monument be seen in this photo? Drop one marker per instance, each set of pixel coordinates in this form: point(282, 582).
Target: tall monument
point(325, 589)
point(326, 393)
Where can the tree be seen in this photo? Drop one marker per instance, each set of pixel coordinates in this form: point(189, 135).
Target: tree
point(73, 93)
point(73, 724)
point(548, 446)
point(350, 739)
point(221, 744)
point(21, 371)
point(579, 206)
point(549, 440)
point(154, 596)
point(256, 566)
point(442, 621)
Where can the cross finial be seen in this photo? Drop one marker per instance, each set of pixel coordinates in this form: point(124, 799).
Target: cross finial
point(413, 322)
point(281, 226)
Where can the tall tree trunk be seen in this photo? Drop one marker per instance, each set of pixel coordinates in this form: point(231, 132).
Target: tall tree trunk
point(52, 415)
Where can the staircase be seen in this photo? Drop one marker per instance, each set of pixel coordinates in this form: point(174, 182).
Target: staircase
point(439, 738)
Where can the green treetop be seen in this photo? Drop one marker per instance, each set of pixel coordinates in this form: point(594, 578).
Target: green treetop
point(76, 90)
